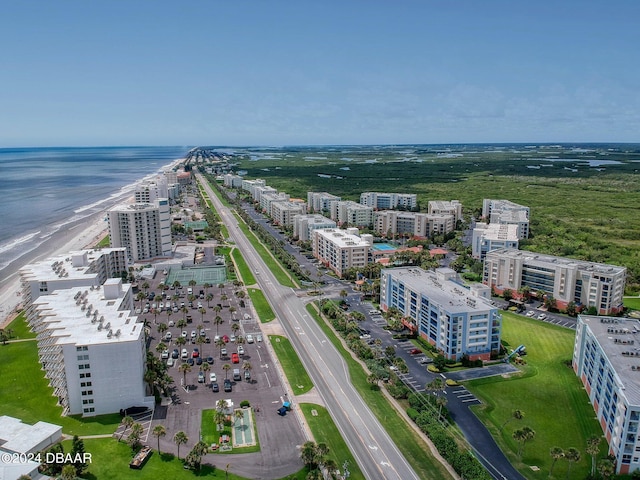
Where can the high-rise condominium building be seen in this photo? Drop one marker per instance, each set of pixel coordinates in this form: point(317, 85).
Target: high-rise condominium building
point(389, 201)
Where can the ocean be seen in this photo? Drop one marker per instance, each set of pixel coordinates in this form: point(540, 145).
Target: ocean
point(44, 189)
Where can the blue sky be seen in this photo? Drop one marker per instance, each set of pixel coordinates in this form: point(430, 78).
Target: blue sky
point(270, 72)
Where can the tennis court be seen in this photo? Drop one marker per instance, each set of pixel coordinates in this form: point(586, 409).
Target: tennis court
point(201, 275)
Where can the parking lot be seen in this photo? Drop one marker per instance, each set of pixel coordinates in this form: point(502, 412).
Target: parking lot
point(215, 339)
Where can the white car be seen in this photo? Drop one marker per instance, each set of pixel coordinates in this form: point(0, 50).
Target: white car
point(185, 353)
point(167, 336)
point(171, 323)
point(165, 354)
point(530, 313)
point(258, 338)
point(184, 333)
point(249, 338)
point(240, 350)
point(542, 316)
point(232, 338)
point(212, 377)
point(194, 334)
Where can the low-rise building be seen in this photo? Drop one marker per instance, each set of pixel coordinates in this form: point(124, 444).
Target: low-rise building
point(489, 237)
point(304, 225)
point(341, 250)
point(567, 280)
point(389, 201)
point(606, 358)
point(456, 320)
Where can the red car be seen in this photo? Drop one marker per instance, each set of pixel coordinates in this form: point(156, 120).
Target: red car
point(235, 358)
point(195, 353)
point(415, 351)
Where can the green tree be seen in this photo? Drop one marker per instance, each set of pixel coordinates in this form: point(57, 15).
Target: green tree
point(606, 468)
point(556, 454)
point(593, 448)
point(226, 367)
point(68, 472)
point(184, 368)
point(77, 453)
point(308, 454)
point(133, 440)
point(180, 438)
point(159, 431)
point(572, 455)
point(126, 423)
point(515, 415)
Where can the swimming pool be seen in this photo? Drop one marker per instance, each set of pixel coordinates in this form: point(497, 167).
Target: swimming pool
point(383, 246)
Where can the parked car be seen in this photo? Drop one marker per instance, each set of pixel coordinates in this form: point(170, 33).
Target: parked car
point(249, 338)
point(167, 336)
point(185, 354)
point(200, 377)
point(165, 354)
point(542, 316)
point(210, 360)
point(415, 351)
point(190, 362)
point(240, 350)
point(215, 387)
point(170, 362)
point(223, 352)
point(175, 353)
point(212, 377)
point(227, 385)
point(196, 353)
point(530, 313)
point(235, 358)
point(199, 361)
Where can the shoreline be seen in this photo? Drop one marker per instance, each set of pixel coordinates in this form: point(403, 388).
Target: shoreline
point(81, 234)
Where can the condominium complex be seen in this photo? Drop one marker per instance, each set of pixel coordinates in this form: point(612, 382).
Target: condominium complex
point(91, 348)
point(320, 201)
point(606, 358)
point(396, 222)
point(232, 181)
point(304, 225)
point(586, 284)
point(83, 268)
point(341, 250)
point(456, 320)
point(353, 214)
point(388, 201)
point(508, 213)
point(443, 207)
point(284, 212)
point(250, 185)
point(144, 229)
point(489, 237)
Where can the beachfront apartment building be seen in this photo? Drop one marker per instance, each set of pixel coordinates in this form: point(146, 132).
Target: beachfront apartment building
point(508, 213)
point(398, 222)
point(283, 213)
point(606, 358)
point(353, 214)
point(492, 236)
point(567, 280)
point(92, 348)
point(389, 201)
point(445, 207)
point(304, 225)
point(320, 201)
point(341, 250)
point(258, 192)
point(456, 320)
point(144, 229)
point(83, 268)
point(232, 181)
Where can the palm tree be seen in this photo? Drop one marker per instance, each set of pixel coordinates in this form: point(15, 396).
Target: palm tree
point(181, 341)
point(556, 454)
point(308, 453)
point(239, 415)
point(206, 287)
point(520, 436)
point(184, 313)
point(180, 438)
point(145, 286)
point(205, 367)
point(572, 455)
point(593, 448)
point(331, 467)
point(441, 401)
point(606, 468)
point(321, 451)
point(126, 422)
point(218, 321)
point(202, 311)
point(529, 434)
point(159, 431)
point(184, 368)
point(234, 328)
point(226, 367)
point(232, 309)
point(162, 327)
point(220, 343)
point(516, 414)
point(161, 347)
point(181, 323)
point(209, 297)
point(134, 437)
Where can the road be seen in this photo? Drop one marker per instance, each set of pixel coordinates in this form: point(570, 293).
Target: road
point(374, 451)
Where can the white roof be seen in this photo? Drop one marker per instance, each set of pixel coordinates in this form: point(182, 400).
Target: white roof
point(19, 437)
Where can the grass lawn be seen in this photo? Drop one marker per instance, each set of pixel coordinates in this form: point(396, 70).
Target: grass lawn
point(272, 264)
point(291, 364)
point(210, 434)
point(552, 398)
point(415, 450)
point(20, 328)
point(632, 302)
point(242, 267)
point(25, 394)
point(325, 431)
point(261, 305)
point(104, 243)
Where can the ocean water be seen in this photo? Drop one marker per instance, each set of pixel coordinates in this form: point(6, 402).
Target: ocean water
point(44, 189)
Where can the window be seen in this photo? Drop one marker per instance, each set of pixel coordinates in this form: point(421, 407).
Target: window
point(89, 410)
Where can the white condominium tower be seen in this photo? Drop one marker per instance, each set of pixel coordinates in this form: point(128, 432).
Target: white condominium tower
point(144, 229)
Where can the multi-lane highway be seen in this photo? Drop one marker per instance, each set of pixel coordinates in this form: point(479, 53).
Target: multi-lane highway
point(376, 454)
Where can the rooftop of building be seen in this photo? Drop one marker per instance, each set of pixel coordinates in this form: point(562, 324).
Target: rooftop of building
point(73, 265)
point(584, 265)
point(619, 339)
point(440, 288)
point(88, 316)
point(19, 437)
point(498, 231)
point(342, 238)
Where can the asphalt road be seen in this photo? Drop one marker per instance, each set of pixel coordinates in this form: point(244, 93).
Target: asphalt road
point(376, 454)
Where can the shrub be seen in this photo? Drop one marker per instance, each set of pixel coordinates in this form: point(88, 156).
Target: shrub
point(412, 413)
point(244, 403)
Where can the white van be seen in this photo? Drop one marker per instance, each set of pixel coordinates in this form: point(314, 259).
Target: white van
point(189, 291)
